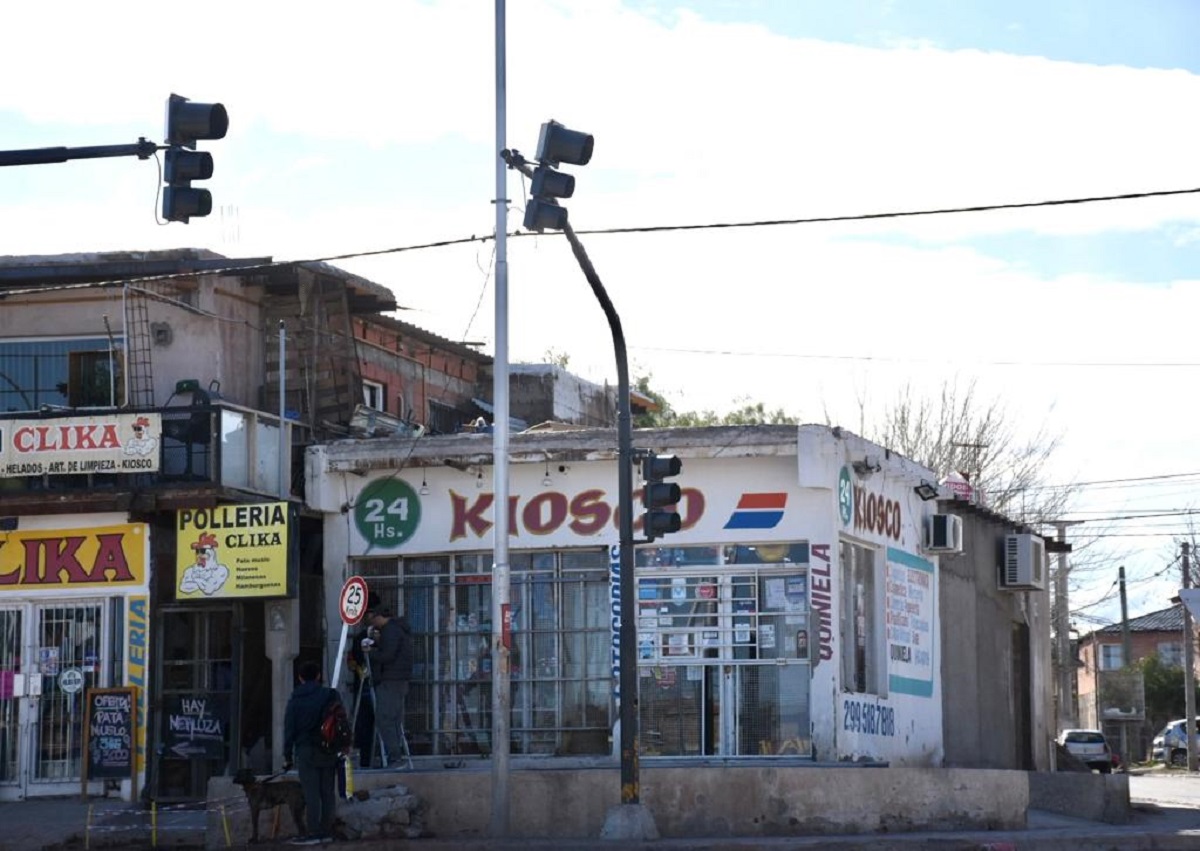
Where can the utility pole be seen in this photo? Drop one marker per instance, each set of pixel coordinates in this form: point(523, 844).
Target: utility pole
point(1189, 675)
point(501, 578)
point(1126, 653)
point(1126, 642)
point(1062, 624)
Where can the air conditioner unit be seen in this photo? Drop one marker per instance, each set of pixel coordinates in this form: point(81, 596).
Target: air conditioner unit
point(943, 533)
point(1024, 565)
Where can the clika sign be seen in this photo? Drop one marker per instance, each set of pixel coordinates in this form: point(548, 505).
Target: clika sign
point(870, 512)
point(586, 513)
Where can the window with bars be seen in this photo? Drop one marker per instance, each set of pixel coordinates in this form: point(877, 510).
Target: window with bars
point(75, 372)
point(559, 661)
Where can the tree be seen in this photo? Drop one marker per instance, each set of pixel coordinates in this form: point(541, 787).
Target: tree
point(1165, 697)
point(750, 413)
point(956, 431)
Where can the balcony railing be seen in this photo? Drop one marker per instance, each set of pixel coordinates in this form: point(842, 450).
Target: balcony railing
point(218, 445)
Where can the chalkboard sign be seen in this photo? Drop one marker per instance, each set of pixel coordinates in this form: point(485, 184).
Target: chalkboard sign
point(110, 726)
point(197, 726)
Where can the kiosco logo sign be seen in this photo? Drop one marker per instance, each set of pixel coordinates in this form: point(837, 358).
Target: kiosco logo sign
point(869, 511)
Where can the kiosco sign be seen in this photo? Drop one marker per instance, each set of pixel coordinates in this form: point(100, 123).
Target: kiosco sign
point(109, 443)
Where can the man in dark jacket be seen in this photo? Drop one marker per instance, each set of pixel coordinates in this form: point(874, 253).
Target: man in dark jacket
point(302, 740)
point(391, 669)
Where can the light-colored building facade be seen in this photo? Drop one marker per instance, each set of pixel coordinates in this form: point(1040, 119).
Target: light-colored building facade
point(795, 613)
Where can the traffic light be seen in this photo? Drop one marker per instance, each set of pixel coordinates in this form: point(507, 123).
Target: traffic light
point(658, 495)
point(556, 145)
point(180, 200)
point(188, 122)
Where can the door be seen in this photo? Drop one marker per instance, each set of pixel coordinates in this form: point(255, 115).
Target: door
point(723, 663)
point(50, 654)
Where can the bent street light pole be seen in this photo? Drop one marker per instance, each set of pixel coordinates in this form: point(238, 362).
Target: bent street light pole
point(627, 655)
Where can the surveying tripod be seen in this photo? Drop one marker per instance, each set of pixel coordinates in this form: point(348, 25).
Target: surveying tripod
point(367, 679)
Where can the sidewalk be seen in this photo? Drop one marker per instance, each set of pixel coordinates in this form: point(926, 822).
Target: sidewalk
point(63, 823)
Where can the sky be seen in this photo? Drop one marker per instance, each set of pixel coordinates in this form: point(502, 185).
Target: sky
point(366, 126)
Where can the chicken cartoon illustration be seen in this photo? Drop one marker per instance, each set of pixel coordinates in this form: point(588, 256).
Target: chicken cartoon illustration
point(207, 575)
point(142, 443)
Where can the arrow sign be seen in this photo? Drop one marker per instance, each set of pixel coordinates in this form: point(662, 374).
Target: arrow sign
point(1191, 599)
point(187, 751)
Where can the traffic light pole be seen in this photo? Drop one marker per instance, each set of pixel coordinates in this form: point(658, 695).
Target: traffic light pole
point(630, 820)
point(627, 653)
point(143, 149)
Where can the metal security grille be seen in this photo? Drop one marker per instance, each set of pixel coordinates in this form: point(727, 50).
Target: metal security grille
point(561, 645)
point(68, 643)
point(10, 667)
point(724, 650)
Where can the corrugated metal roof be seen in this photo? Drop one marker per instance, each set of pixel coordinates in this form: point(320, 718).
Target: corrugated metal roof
point(103, 268)
point(1164, 620)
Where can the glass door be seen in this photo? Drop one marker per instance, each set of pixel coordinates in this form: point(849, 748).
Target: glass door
point(66, 644)
point(723, 663)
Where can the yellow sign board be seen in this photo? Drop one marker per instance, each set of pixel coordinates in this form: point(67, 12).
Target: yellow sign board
point(88, 558)
point(232, 551)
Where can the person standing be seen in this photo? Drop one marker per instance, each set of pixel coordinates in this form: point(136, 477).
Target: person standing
point(391, 670)
point(302, 741)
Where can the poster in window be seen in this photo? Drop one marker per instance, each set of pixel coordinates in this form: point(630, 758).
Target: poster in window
point(677, 644)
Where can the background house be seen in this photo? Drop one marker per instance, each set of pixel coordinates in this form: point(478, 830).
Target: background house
point(1111, 696)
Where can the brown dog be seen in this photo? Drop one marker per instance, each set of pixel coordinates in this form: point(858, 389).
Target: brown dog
point(269, 794)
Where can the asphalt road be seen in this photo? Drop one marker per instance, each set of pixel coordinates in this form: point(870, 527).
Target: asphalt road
point(1165, 788)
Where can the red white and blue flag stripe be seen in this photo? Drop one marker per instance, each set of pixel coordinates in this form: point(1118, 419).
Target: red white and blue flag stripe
point(758, 511)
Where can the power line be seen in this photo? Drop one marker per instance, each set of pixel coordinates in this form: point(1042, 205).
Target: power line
point(892, 359)
point(445, 243)
point(899, 214)
point(1156, 478)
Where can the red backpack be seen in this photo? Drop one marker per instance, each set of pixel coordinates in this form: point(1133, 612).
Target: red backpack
point(336, 735)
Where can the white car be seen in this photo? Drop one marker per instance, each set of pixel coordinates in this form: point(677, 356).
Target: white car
point(1089, 747)
point(1170, 745)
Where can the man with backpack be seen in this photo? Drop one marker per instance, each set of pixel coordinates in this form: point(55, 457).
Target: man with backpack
point(391, 669)
point(316, 762)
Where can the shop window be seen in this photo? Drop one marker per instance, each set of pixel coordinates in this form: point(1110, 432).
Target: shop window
point(560, 658)
point(861, 668)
